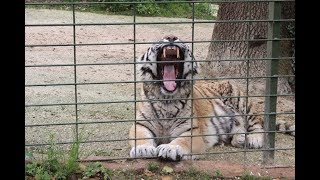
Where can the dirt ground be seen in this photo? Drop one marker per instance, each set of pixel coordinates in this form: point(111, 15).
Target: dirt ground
point(229, 170)
point(110, 113)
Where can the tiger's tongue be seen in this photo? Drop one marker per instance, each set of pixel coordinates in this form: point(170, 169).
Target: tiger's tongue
point(169, 73)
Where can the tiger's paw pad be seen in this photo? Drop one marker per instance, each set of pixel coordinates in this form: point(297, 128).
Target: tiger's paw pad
point(143, 151)
point(255, 140)
point(170, 152)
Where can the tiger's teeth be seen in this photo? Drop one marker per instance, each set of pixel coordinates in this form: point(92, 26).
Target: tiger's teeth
point(164, 52)
point(178, 54)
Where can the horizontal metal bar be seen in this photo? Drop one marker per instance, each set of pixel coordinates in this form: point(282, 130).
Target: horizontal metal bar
point(158, 2)
point(154, 42)
point(166, 23)
point(205, 153)
point(162, 119)
point(132, 101)
point(158, 62)
point(143, 81)
point(200, 135)
point(128, 139)
point(241, 151)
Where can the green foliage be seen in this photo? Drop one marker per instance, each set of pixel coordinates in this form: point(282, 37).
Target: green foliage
point(52, 164)
point(183, 10)
point(194, 173)
point(96, 167)
point(42, 174)
point(38, 172)
point(71, 164)
point(55, 164)
point(218, 174)
point(147, 8)
point(176, 10)
point(153, 166)
point(29, 155)
point(118, 7)
point(151, 8)
point(248, 176)
point(204, 11)
point(31, 169)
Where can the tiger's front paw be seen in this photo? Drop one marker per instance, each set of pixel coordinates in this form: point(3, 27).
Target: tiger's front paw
point(255, 140)
point(143, 151)
point(170, 152)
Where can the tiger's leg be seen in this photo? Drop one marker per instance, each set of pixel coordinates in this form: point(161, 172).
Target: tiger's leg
point(286, 126)
point(255, 139)
point(238, 139)
point(233, 97)
point(178, 148)
point(144, 147)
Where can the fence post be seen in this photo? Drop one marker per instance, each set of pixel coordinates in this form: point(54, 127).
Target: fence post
point(75, 72)
point(273, 51)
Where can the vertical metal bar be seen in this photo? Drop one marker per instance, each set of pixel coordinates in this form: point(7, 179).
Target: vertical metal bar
point(273, 51)
point(75, 69)
point(247, 85)
point(192, 81)
point(135, 78)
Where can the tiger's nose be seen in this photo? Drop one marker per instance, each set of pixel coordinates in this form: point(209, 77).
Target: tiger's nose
point(171, 38)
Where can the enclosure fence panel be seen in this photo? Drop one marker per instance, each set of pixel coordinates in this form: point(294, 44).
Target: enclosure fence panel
point(81, 79)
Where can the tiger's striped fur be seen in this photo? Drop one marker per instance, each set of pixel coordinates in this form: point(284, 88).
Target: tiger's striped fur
point(167, 108)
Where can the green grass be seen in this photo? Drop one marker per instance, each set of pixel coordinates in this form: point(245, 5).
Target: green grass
point(183, 10)
point(95, 169)
point(153, 166)
point(218, 174)
point(193, 173)
point(55, 162)
point(151, 9)
point(247, 176)
point(59, 164)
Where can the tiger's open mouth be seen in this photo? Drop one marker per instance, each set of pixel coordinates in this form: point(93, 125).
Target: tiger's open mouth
point(170, 67)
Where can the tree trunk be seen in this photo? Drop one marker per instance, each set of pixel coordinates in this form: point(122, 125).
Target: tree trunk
point(220, 53)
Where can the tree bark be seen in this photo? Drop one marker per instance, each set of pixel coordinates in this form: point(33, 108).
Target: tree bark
point(220, 53)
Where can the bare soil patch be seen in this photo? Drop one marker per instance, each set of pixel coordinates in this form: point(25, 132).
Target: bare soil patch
point(228, 170)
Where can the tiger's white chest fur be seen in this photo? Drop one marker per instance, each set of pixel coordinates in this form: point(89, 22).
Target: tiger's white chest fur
point(167, 117)
point(170, 120)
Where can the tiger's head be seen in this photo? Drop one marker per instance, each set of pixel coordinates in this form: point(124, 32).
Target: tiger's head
point(170, 63)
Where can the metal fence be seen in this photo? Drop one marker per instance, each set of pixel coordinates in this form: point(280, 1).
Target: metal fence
point(71, 94)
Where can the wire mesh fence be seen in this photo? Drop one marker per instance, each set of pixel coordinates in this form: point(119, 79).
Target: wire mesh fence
point(81, 75)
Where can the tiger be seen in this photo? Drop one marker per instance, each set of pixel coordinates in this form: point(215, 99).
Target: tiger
point(170, 96)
